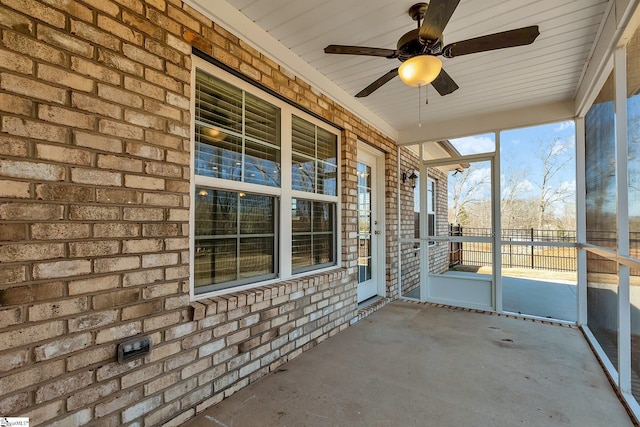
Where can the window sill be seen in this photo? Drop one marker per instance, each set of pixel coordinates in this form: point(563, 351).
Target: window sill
point(260, 297)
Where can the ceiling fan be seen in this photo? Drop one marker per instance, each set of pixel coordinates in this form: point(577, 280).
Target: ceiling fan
point(426, 42)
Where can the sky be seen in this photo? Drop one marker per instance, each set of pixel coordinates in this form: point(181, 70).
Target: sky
point(521, 151)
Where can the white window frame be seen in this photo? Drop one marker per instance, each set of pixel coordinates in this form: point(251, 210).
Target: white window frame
point(434, 210)
point(284, 193)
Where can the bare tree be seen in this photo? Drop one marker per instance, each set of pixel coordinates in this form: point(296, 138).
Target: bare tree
point(554, 156)
point(465, 188)
point(512, 204)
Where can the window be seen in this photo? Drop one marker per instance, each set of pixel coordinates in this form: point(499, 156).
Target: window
point(237, 135)
point(431, 208)
point(252, 223)
point(313, 239)
point(313, 170)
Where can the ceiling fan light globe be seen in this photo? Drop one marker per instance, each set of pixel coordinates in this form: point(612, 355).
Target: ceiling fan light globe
point(420, 70)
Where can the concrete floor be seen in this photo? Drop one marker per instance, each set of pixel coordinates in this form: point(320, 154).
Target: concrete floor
point(555, 300)
point(416, 365)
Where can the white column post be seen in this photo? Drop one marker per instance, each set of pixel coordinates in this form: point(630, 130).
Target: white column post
point(581, 221)
point(624, 307)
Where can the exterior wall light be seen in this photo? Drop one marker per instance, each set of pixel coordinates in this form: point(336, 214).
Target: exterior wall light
point(412, 178)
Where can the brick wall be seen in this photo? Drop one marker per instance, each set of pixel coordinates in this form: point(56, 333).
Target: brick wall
point(94, 208)
point(410, 252)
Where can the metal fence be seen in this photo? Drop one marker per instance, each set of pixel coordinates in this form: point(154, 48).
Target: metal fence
point(521, 253)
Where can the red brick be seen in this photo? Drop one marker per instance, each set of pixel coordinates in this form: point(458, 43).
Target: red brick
point(94, 35)
point(33, 48)
point(115, 298)
point(61, 269)
point(39, 11)
point(34, 130)
point(64, 192)
point(106, 6)
point(121, 130)
point(98, 142)
point(92, 394)
point(119, 30)
point(31, 293)
point(14, 189)
point(64, 41)
point(95, 105)
point(94, 284)
point(17, 21)
point(64, 386)
point(30, 211)
point(82, 66)
point(59, 231)
point(120, 401)
point(27, 336)
point(15, 104)
point(118, 332)
point(31, 251)
point(60, 308)
point(96, 177)
point(93, 248)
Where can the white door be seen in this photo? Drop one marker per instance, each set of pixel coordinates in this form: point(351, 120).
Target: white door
point(371, 261)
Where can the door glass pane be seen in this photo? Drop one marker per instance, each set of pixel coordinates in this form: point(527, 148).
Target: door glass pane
point(364, 222)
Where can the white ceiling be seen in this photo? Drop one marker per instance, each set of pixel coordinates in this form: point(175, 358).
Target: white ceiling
point(544, 73)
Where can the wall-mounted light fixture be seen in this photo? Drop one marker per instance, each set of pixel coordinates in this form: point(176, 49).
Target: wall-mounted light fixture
point(412, 178)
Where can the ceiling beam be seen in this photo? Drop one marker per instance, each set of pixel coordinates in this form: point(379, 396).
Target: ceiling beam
point(477, 124)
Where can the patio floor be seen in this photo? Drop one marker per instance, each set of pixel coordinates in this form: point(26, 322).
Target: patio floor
point(412, 364)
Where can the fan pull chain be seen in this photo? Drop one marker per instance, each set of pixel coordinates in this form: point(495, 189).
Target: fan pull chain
point(419, 105)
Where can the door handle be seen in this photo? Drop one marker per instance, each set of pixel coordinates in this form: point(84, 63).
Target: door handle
point(376, 232)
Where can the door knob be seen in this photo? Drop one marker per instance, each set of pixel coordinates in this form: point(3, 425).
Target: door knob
point(376, 232)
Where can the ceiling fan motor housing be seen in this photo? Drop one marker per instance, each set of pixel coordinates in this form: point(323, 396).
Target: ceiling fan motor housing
point(410, 45)
point(426, 42)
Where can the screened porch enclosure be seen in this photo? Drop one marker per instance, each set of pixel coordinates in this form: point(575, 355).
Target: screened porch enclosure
point(479, 237)
point(580, 266)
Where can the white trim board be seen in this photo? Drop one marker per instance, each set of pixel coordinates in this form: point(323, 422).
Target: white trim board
point(238, 24)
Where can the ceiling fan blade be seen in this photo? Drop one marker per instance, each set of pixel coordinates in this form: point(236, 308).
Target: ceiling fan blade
point(377, 84)
point(444, 84)
point(436, 18)
point(361, 50)
point(512, 38)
